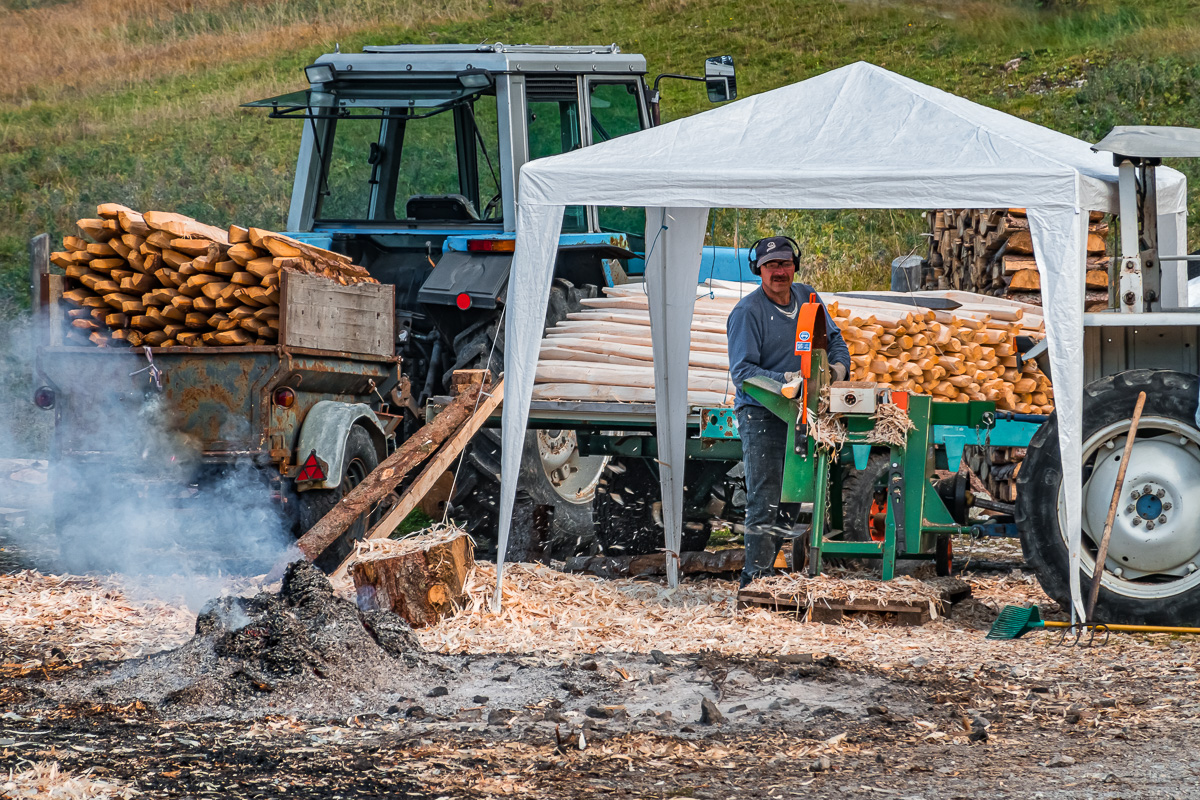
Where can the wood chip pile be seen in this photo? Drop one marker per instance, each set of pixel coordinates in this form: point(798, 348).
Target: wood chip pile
point(990, 251)
point(85, 618)
point(166, 280)
point(561, 614)
point(46, 780)
point(604, 352)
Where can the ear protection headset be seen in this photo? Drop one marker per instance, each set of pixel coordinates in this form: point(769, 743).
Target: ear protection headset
point(754, 268)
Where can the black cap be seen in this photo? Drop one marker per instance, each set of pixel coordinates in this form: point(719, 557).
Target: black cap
point(776, 248)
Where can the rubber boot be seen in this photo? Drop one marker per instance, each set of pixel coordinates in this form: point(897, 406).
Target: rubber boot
point(761, 549)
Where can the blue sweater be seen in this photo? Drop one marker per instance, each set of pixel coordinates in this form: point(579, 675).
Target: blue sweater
point(762, 339)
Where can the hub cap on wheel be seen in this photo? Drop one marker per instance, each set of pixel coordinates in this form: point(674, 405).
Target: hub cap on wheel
point(1154, 550)
point(574, 477)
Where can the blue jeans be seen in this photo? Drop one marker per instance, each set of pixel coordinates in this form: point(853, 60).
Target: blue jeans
point(764, 439)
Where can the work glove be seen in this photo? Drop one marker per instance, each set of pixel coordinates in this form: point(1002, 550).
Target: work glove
point(839, 372)
point(788, 377)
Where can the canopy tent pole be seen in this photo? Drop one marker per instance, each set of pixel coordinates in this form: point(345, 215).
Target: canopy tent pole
point(675, 238)
point(529, 279)
point(1061, 238)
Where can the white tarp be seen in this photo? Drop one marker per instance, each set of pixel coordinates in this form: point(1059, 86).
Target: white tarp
point(856, 137)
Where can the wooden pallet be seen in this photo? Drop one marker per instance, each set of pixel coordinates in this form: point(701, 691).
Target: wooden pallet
point(892, 611)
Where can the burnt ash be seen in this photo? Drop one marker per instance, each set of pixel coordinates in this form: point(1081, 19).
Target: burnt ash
point(301, 651)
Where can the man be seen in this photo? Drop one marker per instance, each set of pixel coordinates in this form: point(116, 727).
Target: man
point(762, 339)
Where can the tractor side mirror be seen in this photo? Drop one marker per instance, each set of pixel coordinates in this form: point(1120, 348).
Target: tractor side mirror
point(720, 79)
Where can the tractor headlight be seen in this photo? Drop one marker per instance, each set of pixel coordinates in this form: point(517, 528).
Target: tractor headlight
point(319, 73)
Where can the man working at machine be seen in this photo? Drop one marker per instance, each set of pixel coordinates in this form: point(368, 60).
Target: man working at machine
point(762, 342)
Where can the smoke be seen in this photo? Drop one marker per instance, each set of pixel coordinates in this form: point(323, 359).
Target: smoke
point(128, 491)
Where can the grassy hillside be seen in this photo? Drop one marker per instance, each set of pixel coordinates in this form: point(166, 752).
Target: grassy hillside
point(137, 101)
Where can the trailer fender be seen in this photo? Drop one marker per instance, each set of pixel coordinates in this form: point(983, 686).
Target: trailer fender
point(324, 432)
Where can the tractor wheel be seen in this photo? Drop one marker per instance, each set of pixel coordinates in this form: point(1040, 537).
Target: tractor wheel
point(1152, 573)
point(358, 460)
point(553, 473)
point(864, 500)
point(629, 515)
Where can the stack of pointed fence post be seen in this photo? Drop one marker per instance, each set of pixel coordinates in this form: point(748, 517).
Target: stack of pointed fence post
point(166, 280)
point(990, 251)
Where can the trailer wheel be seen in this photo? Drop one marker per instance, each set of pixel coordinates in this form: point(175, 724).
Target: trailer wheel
point(358, 461)
point(1152, 573)
point(552, 473)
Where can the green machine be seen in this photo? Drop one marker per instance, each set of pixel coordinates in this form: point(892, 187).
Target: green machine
point(918, 520)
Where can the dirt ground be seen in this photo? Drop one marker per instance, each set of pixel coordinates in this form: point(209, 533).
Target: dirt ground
point(91, 671)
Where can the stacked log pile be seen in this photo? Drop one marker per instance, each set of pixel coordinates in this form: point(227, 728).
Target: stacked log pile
point(166, 280)
point(966, 354)
point(990, 251)
point(604, 352)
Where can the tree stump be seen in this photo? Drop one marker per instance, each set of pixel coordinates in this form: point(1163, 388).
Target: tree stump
point(420, 578)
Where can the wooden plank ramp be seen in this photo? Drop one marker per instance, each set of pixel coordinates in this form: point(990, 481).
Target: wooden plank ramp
point(891, 610)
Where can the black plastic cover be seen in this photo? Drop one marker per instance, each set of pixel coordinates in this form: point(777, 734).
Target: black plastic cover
point(481, 276)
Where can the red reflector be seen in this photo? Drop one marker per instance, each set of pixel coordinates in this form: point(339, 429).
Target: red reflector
point(44, 397)
point(284, 396)
point(491, 245)
point(311, 469)
point(463, 301)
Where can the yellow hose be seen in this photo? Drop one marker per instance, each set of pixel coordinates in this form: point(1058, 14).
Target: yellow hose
point(1129, 628)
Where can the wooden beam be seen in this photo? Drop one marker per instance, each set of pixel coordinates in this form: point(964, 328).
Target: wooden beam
point(430, 474)
point(388, 475)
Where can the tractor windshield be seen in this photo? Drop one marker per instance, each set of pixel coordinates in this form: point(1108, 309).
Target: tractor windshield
point(430, 159)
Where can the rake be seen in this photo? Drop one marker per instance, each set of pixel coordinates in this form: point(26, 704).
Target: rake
point(1016, 621)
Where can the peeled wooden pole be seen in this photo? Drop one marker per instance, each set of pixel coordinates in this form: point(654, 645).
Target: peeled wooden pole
point(388, 474)
point(1102, 552)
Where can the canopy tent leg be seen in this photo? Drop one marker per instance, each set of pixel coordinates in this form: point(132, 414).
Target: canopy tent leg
point(1059, 239)
point(675, 238)
point(529, 279)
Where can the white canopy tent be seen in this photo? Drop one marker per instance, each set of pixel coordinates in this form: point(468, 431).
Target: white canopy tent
point(856, 137)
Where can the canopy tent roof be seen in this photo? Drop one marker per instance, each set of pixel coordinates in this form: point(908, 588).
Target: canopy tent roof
point(856, 137)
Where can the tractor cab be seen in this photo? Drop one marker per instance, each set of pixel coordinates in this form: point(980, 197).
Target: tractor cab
point(410, 159)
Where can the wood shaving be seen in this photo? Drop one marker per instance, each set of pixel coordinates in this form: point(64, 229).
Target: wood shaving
point(561, 615)
point(374, 549)
point(84, 618)
point(45, 780)
point(797, 587)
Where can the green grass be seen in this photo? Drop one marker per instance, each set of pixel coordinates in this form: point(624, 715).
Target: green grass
point(156, 125)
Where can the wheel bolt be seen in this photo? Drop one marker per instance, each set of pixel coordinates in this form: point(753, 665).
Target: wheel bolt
point(1166, 506)
point(1160, 493)
point(1135, 494)
point(1162, 520)
point(1136, 521)
point(1146, 489)
point(1129, 509)
point(1150, 525)
point(1117, 571)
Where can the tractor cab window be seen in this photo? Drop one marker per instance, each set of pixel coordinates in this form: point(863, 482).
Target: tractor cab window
point(433, 157)
point(616, 109)
point(554, 127)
